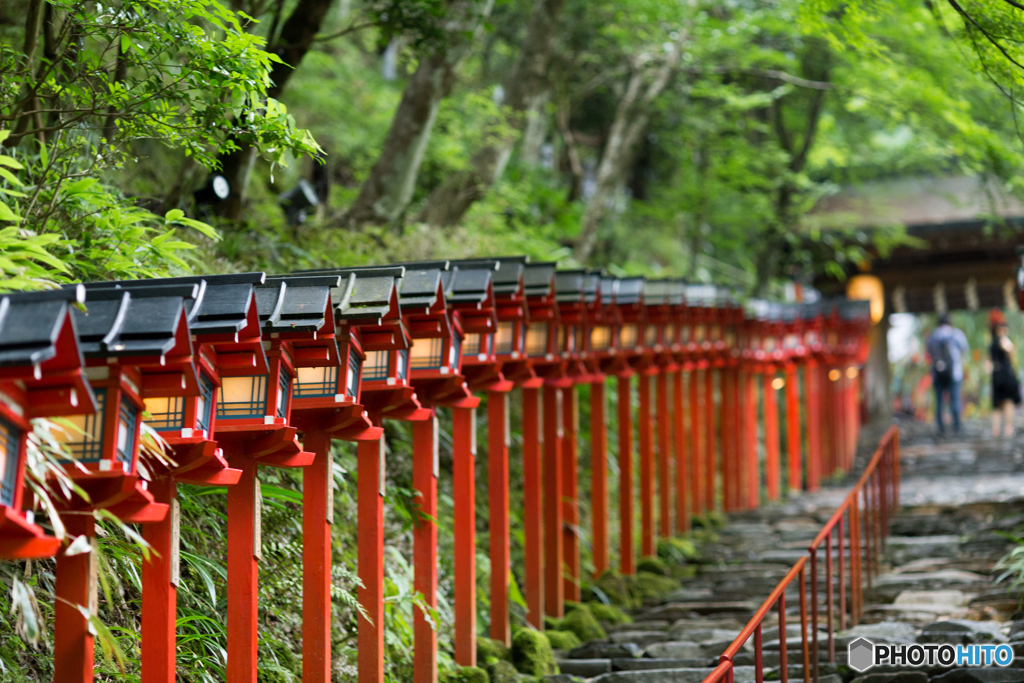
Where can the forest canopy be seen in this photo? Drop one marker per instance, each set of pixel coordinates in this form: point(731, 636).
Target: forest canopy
point(684, 138)
point(666, 137)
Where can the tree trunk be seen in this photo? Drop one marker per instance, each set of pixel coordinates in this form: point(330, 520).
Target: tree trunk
point(631, 117)
point(386, 193)
point(294, 41)
point(525, 92)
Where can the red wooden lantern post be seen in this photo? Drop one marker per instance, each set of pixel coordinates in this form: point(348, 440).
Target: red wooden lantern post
point(602, 359)
point(793, 352)
point(470, 295)
point(40, 376)
point(550, 367)
point(434, 360)
point(812, 325)
point(254, 426)
point(138, 348)
point(325, 406)
point(856, 325)
point(576, 292)
point(373, 313)
point(685, 502)
point(697, 348)
point(224, 325)
point(753, 364)
point(662, 297)
point(497, 363)
point(630, 303)
point(772, 353)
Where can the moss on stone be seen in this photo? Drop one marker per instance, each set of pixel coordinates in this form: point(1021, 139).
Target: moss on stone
point(608, 614)
point(653, 565)
point(582, 622)
point(503, 672)
point(469, 674)
point(489, 651)
point(552, 623)
point(531, 653)
point(615, 587)
point(647, 586)
point(563, 640)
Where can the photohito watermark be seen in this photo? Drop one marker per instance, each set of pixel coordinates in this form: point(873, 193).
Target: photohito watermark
point(863, 654)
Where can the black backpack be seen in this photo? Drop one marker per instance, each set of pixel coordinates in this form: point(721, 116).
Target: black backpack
point(943, 361)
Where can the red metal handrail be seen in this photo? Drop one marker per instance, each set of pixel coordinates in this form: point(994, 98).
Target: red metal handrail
point(877, 494)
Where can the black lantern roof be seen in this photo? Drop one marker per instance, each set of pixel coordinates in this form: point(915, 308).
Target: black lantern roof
point(221, 306)
point(363, 294)
point(664, 293)
point(591, 286)
point(469, 282)
point(295, 303)
point(509, 274)
point(537, 278)
point(609, 288)
point(133, 320)
point(700, 295)
point(569, 285)
point(855, 310)
point(31, 323)
point(631, 291)
point(420, 289)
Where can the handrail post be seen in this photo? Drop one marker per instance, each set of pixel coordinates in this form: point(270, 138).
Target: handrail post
point(814, 613)
point(803, 626)
point(783, 652)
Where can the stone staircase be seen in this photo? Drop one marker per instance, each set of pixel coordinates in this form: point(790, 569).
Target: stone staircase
point(937, 583)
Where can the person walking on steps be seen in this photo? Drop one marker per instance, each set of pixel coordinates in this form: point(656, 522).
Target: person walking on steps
point(1005, 385)
point(947, 346)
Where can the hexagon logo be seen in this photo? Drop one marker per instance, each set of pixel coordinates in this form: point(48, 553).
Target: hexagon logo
point(861, 654)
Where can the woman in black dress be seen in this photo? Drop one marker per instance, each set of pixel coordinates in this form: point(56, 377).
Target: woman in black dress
point(1005, 385)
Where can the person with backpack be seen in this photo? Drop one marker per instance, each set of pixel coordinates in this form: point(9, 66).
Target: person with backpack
point(947, 347)
point(1005, 385)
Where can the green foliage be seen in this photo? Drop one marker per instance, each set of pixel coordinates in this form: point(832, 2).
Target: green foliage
point(531, 653)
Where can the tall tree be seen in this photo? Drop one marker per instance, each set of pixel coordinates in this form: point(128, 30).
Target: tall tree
point(386, 193)
point(290, 45)
point(526, 89)
point(650, 73)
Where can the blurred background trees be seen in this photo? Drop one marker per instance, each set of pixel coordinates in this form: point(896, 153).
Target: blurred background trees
point(666, 137)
